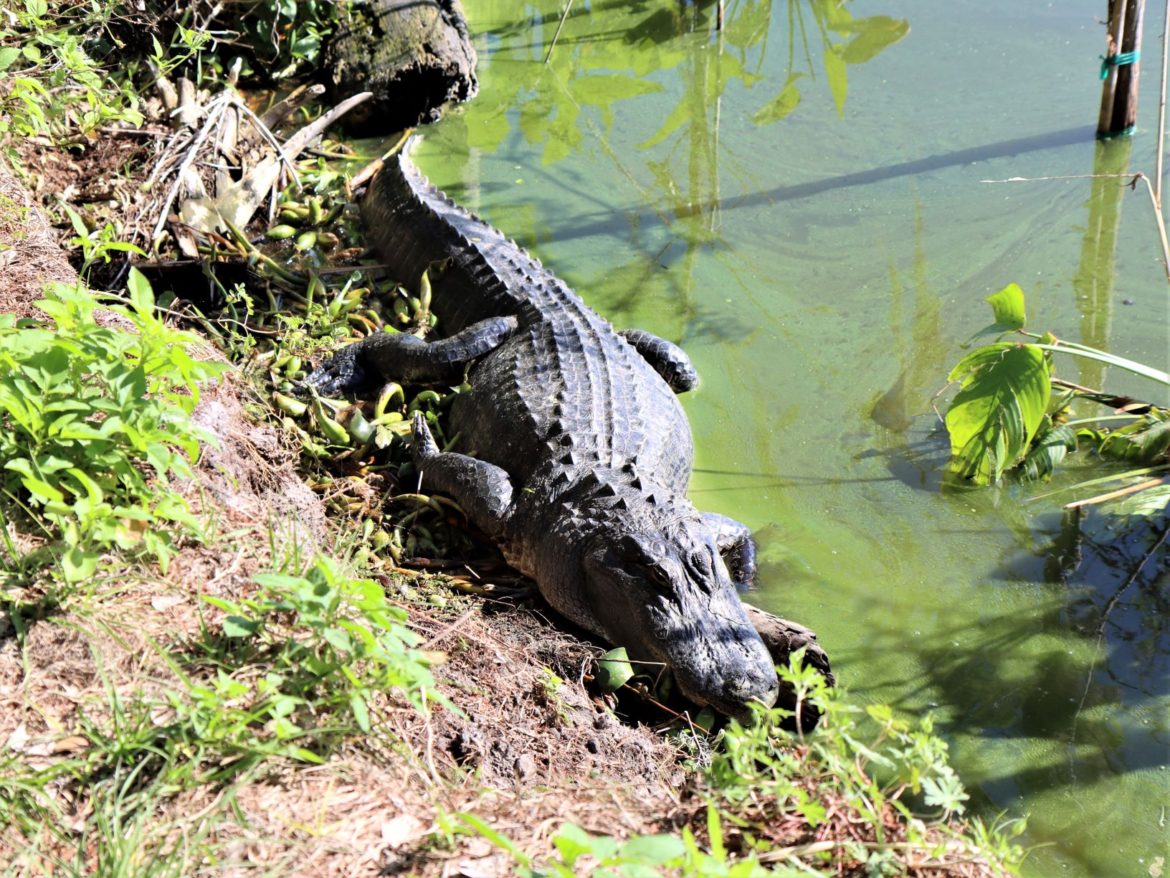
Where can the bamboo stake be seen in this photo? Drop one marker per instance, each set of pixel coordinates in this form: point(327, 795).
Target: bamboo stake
point(1162, 107)
point(1119, 97)
point(1112, 44)
point(1125, 111)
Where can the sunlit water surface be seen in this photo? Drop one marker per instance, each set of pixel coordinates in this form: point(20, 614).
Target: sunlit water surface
point(802, 204)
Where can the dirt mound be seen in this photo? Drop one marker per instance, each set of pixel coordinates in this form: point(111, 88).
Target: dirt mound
point(29, 255)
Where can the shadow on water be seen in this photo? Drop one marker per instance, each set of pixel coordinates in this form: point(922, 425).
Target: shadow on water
point(586, 226)
point(1019, 678)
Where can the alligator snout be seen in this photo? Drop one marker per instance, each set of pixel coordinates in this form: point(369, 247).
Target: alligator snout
point(732, 672)
point(761, 686)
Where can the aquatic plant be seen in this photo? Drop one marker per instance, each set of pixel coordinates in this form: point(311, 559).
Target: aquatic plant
point(1012, 414)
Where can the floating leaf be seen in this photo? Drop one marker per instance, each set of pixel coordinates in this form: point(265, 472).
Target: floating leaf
point(1141, 443)
point(1000, 405)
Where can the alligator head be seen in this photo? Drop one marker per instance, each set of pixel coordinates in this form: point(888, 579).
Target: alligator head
point(669, 598)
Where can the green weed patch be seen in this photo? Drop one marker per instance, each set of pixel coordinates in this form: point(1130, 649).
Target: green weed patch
point(94, 425)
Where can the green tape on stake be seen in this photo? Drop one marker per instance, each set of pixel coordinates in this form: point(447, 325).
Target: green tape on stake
point(1121, 59)
point(1124, 132)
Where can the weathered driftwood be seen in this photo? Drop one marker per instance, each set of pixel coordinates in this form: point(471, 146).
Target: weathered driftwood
point(782, 638)
point(414, 55)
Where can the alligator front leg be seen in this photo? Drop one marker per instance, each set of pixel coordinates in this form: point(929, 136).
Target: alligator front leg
point(481, 488)
point(386, 356)
point(666, 358)
point(735, 543)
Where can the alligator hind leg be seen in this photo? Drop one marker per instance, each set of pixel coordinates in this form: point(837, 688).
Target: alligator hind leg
point(386, 356)
point(481, 488)
point(666, 358)
point(736, 545)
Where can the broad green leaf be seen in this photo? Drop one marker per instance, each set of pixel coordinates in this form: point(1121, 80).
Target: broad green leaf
point(7, 56)
point(361, 711)
point(1008, 306)
point(572, 841)
point(657, 849)
point(1142, 443)
point(42, 491)
point(140, 293)
point(338, 639)
point(238, 626)
point(78, 564)
point(783, 104)
point(1003, 396)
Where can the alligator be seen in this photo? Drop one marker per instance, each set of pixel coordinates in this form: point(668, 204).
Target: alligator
point(582, 452)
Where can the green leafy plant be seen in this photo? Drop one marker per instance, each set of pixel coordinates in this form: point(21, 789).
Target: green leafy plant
point(287, 35)
point(49, 85)
point(330, 642)
point(95, 422)
point(96, 244)
point(1012, 412)
point(642, 856)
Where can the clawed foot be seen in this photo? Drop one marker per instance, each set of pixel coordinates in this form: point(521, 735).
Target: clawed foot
point(341, 373)
point(424, 445)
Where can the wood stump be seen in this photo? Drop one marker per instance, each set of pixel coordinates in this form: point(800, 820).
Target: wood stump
point(414, 55)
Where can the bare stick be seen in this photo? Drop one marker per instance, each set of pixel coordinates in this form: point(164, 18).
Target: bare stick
point(213, 115)
point(295, 144)
point(1113, 495)
point(299, 96)
point(1162, 107)
point(1132, 181)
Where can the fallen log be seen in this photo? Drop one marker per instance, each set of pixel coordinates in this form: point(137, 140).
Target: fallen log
point(414, 55)
point(782, 638)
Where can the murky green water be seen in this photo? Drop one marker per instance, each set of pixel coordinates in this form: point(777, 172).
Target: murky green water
point(812, 225)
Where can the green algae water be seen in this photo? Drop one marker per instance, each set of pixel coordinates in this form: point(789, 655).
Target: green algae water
point(801, 200)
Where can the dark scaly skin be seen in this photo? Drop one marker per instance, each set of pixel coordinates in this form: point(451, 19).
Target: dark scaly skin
point(580, 453)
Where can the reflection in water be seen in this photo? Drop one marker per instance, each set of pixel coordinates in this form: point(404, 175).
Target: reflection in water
point(922, 356)
point(1093, 283)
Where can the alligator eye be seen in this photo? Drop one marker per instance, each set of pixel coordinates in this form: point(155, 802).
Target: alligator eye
point(658, 576)
point(701, 563)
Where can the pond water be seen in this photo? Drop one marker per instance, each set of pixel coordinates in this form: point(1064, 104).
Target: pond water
point(800, 201)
